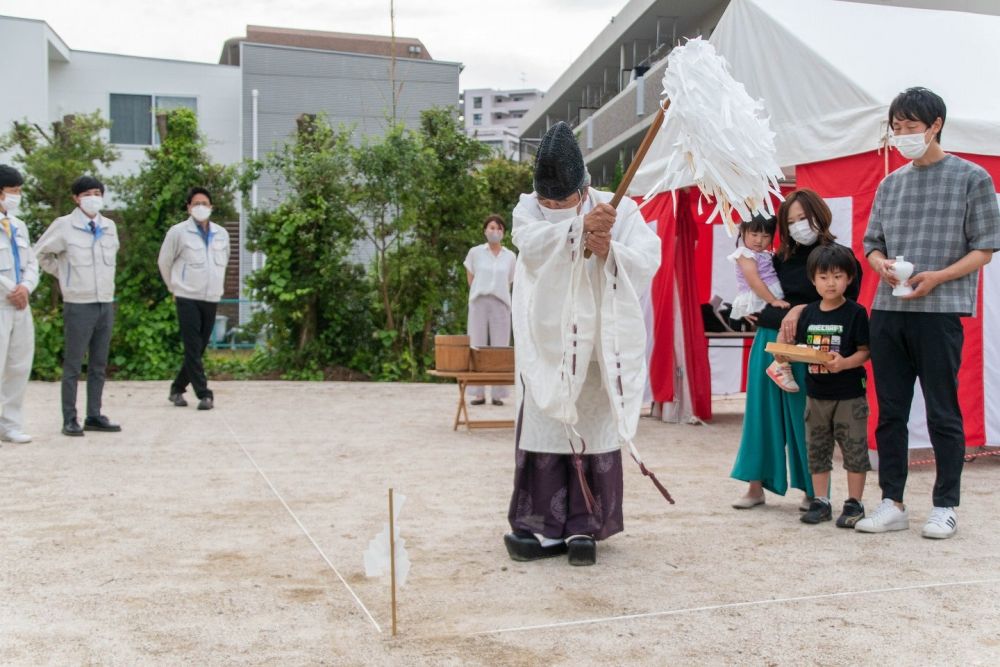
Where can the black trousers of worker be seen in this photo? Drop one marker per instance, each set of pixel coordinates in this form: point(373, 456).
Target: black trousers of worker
point(197, 319)
point(904, 347)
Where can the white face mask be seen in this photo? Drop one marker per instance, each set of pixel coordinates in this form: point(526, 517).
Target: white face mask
point(91, 204)
point(11, 203)
point(910, 146)
point(200, 212)
point(560, 214)
point(803, 232)
point(494, 236)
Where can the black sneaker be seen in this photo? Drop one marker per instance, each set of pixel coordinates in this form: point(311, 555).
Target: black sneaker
point(178, 400)
point(853, 512)
point(819, 510)
point(206, 403)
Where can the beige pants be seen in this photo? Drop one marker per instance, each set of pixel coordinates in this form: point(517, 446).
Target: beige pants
point(489, 325)
point(17, 351)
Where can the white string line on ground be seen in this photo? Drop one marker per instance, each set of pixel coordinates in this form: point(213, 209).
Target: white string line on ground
point(733, 605)
point(305, 531)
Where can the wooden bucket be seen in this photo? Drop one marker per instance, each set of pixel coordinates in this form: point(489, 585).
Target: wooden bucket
point(451, 353)
point(492, 359)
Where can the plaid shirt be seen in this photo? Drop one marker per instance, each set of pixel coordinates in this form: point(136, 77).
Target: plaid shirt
point(934, 216)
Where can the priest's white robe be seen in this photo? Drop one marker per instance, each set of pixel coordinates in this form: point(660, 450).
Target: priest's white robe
point(579, 333)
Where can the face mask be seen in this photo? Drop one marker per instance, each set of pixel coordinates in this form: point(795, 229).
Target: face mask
point(803, 233)
point(11, 203)
point(910, 146)
point(201, 212)
point(494, 237)
point(92, 204)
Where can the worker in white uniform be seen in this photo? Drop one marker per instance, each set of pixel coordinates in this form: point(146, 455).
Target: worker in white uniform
point(18, 279)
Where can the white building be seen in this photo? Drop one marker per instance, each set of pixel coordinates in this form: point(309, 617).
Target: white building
point(494, 116)
point(51, 80)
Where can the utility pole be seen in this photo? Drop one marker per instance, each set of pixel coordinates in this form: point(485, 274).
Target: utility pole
point(392, 58)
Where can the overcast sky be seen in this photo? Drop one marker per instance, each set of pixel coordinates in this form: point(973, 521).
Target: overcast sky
point(499, 41)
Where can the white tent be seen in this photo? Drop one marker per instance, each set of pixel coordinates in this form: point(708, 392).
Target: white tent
point(827, 70)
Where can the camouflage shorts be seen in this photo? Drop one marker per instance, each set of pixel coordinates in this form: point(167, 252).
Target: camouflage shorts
point(845, 422)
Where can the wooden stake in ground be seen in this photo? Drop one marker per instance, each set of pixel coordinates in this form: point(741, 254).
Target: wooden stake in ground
point(392, 561)
point(633, 167)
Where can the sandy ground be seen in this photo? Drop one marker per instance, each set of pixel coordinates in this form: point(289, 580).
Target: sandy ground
point(165, 545)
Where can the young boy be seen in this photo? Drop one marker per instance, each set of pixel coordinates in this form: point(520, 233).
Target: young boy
point(836, 407)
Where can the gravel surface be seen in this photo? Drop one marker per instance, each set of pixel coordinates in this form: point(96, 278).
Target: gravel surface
point(163, 544)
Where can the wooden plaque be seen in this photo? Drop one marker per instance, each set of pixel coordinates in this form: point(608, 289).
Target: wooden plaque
point(795, 353)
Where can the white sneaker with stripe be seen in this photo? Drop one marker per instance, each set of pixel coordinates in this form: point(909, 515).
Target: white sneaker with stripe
point(941, 524)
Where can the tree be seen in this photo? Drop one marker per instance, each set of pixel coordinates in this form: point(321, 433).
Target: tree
point(390, 175)
point(146, 343)
point(316, 301)
point(503, 181)
point(448, 220)
point(50, 161)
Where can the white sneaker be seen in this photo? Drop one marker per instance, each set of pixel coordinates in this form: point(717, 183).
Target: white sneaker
point(885, 518)
point(15, 436)
point(782, 376)
point(941, 524)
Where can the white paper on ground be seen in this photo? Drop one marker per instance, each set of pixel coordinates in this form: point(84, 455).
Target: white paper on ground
point(376, 556)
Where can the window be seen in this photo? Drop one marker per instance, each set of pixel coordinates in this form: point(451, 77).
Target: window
point(477, 119)
point(518, 98)
point(133, 117)
point(414, 50)
point(477, 103)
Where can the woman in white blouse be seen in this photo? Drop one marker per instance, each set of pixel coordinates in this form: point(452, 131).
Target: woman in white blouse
point(490, 270)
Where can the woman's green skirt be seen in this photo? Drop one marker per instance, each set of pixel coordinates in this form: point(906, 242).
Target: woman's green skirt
point(774, 419)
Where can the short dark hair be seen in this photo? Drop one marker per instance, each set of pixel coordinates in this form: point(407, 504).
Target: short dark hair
point(758, 223)
point(85, 183)
point(494, 218)
point(918, 104)
point(831, 257)
point(197, 191)
point(10, 177)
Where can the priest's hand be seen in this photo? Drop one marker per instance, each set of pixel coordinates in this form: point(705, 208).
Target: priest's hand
point(599, 243)
point(601, 219)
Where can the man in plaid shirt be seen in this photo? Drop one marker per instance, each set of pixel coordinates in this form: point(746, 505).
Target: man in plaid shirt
point(940, 213)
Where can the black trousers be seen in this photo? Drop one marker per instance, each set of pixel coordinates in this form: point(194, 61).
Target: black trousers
point(907, 346)
point(196, 318)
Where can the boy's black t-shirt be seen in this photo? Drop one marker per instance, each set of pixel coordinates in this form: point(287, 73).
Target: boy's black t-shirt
point(840, 330)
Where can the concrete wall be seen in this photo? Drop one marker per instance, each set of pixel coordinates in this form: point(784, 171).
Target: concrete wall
point(349, 88)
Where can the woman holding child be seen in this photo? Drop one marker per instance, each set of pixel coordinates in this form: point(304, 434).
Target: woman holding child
point(775, 407)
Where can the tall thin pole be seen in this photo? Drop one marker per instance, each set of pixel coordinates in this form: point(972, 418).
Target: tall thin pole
point(254, 94)
point(392, 58)
point(392, 561)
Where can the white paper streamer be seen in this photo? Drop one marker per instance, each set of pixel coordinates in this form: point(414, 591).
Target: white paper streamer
point(720, 137)
point(376, 556)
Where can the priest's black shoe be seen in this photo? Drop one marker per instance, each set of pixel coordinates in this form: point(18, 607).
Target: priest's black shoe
point(72, 428)
point(100, 423)
point(582, 550)
point(523, 546)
